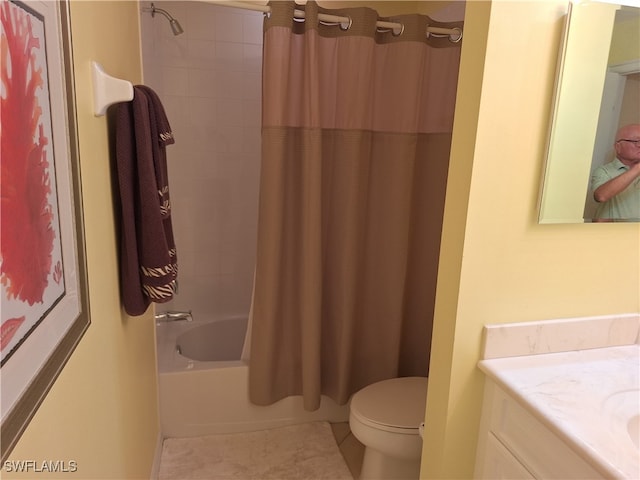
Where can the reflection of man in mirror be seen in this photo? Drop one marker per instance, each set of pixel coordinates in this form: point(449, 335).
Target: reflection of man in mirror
point(616, 185)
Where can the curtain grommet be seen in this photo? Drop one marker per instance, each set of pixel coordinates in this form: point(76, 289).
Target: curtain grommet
point(344, 26)
point(458, 38)
point(396, 32)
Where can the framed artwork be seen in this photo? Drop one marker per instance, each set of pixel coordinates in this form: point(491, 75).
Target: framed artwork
point(44, 306)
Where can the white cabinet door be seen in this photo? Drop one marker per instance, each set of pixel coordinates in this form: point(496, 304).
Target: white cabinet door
point(500, 464)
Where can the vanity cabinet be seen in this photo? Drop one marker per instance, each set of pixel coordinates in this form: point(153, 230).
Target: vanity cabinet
point(513, 444)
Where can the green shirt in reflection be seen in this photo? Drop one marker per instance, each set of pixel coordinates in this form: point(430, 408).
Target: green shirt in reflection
point(625, 205)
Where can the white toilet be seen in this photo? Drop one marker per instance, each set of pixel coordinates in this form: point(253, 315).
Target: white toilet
point(386, 417)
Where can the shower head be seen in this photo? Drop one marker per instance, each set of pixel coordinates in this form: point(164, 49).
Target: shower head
point(176, 28)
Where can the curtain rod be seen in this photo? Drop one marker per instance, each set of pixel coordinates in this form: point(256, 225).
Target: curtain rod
point(455, 34)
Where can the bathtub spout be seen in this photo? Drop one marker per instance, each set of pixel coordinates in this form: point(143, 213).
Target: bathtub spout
point(173, 316)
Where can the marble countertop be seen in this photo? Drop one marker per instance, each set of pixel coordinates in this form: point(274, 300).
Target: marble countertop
point(586, 397)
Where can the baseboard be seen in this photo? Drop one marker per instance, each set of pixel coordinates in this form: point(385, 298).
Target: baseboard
point(155, 468)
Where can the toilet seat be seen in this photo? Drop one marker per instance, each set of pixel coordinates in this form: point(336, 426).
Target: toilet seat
point(396, 405)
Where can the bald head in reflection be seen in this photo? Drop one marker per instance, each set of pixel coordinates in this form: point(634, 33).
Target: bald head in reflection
point(616, 185)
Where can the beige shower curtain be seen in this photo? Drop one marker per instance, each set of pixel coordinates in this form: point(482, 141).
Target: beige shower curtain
point(356, 137)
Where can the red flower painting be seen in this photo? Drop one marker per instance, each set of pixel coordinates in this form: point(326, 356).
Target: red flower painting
point(27, 231)
point(31, 268)
point(8, 330)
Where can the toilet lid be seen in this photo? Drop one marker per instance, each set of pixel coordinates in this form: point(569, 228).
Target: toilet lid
point(397, 402)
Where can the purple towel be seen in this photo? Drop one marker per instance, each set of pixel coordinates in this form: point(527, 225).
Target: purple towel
point(148, 260)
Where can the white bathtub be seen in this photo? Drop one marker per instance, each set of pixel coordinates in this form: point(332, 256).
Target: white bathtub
point(203, 397)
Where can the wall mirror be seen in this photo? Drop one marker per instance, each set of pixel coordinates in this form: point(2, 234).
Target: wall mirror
point(597, 90)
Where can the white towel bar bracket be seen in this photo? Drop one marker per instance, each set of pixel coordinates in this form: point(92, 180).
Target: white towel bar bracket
point(108, 90)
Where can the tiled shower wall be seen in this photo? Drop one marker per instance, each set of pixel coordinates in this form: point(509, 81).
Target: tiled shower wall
point(209, 80)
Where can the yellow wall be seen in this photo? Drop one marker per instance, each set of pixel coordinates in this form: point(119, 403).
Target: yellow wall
point(497, 263)
point(102, 410)
point(625, 41)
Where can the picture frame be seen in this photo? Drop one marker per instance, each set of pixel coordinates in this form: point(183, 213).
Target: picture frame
point(44, 302)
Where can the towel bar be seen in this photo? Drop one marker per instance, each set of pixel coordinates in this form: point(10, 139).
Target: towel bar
point(108, 90)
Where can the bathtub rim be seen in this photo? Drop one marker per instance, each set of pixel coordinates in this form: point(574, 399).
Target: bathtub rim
point(168, 358)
